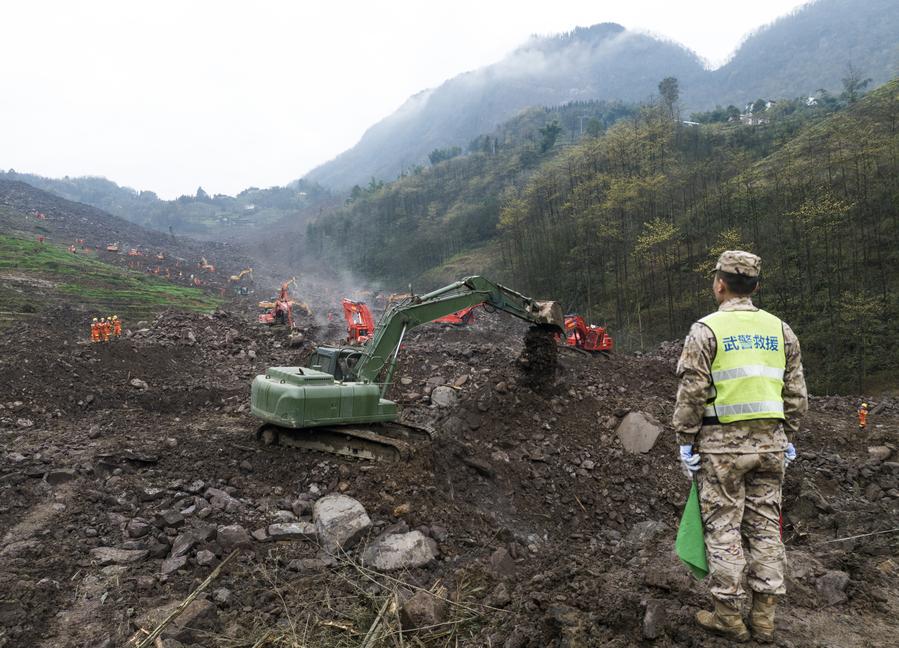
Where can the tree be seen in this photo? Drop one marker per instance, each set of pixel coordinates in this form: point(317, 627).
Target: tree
point(594, 127)
point(853, 85)
point(670, 92)
point(201, 194)
point(759, 106)
point(440, 155)
point(549, 133)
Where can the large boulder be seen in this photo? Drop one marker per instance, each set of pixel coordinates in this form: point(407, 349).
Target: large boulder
point(638, 432)
point(340, 522)
point(400, 551)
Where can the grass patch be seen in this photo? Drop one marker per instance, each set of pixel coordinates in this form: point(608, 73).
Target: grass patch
point(62, 277)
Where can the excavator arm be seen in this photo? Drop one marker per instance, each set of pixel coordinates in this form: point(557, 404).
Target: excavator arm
point(381, 351)
point(336, 403)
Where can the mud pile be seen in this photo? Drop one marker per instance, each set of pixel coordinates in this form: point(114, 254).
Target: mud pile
point(533, 522)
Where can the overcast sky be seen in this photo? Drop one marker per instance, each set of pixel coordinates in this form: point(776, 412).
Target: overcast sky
point(170, 95)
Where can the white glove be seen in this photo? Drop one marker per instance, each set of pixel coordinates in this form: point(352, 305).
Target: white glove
point(789, 455)
point(689, 460)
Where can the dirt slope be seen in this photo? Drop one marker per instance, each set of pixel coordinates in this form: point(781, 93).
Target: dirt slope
point(548, 532)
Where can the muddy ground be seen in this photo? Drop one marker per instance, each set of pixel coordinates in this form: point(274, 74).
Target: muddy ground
point(548, 532)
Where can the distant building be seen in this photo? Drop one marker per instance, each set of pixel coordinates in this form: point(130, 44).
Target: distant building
point(756, 118)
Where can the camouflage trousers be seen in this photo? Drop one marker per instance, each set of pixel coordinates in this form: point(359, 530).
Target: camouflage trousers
point(740, 496)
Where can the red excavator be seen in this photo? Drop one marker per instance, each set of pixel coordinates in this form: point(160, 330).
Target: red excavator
point(359, 324)
point(586, 337)
point(463, 317)
point(279, 311)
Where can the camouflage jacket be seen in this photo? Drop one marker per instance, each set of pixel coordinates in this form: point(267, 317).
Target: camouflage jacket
point(694, 371)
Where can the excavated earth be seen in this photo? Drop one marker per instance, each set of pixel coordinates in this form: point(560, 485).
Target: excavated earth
point(548, 531)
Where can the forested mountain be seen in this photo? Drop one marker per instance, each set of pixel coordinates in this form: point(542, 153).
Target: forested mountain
point(624, 226)
point(811, 49)
point(199, 215)
point(797, 55)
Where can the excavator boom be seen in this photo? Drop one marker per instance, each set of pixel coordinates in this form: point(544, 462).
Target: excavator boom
point(416, 310)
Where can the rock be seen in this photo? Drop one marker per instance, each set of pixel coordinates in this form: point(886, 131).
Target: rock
point(400, 551)
point(501, 563)
point(60, 476)
point(232, 536)
point(259, 535)
point(406, 381)
point(11, 613)
point(879, 453)
point(137, 383)
point(439, 533)
point(24, 423)
point(443, 396)
point(306, 564)
point(340, 522)
point(501, 387)
point(424, 610)
point(190, 625)
point(292, 531)
point(832, 587)
point(643, 532)
point(654, 619)
point(150, 493)
point(204, 532)
point(500, 596)
point(183, 543)
point(157, 549)
point(205, 557)
point(638, 432)
point(221, 500)
point(173, 564)
point(168, 518)
point(301, 507)
point(138, 528)
point(587, 464)
point(222, 596)
point(284, 516)
point(113, 556)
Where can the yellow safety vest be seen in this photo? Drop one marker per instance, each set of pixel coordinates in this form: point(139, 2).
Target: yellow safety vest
point(748, 368)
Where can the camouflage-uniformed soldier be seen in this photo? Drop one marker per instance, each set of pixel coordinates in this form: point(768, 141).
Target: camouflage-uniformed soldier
point(740, 397)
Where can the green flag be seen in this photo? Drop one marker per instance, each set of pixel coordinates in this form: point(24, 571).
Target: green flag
point(690, 544)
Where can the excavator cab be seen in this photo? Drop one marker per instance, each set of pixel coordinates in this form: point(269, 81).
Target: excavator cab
point(340, 363)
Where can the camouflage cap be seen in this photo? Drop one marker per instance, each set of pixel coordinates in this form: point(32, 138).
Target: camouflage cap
point(739, 262)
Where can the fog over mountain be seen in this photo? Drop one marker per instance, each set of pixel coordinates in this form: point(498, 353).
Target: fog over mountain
point(796, 55)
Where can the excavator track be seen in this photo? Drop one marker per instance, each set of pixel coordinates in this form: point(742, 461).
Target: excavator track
point(389, 442)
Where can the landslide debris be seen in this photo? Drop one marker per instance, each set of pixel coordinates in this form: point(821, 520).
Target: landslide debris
point(525, 523)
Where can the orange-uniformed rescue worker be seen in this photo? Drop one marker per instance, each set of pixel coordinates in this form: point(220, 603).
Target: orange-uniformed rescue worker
point(95, 331)
point(740, 397)
point(104, 329)
point(863, 416)
point(116, 326)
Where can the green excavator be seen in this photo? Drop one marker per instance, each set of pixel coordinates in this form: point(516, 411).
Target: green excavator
point(337, 404)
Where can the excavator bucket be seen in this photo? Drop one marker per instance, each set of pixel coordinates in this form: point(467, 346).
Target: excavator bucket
point(549, 313)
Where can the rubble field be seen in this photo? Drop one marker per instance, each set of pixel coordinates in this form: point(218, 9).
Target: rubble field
point(542, 513)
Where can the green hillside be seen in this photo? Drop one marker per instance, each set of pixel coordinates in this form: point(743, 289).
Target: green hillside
point(35, 276)
point(201, 215)
point(811, 48)
point(624, 226)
